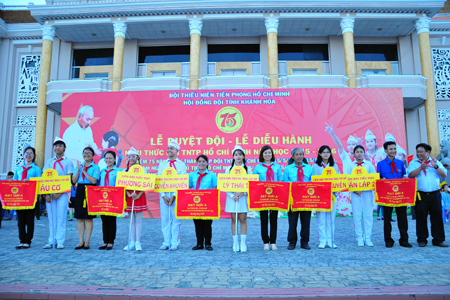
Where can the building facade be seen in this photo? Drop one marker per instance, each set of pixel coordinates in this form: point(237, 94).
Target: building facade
point(69, 46)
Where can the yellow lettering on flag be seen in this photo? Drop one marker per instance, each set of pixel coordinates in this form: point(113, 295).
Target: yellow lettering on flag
point(339, 182)
point(136, 179)
point(360, 180)
point(52, 183)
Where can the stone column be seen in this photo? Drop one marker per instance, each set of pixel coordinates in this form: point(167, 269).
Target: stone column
point(120, 28)
point(195, 27)
point(423, 29)
point(48, 33)
point(347, 24)
point(272, 49)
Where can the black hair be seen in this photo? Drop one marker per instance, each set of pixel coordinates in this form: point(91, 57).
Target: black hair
point(319, 158)
point(232, 163)
point(59, 143)
point(357, 147)
point(388, 143)
point(10, 173)
point(90, 149)
point(425, 146)
point(202, 156)
point(113, 154)
point(263, 149)
point(112, 138)
point(443, 186)
point(32, 149)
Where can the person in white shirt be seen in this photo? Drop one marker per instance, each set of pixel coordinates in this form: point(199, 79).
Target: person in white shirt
point(362, 202)
point(79, 135)
point(170, 225)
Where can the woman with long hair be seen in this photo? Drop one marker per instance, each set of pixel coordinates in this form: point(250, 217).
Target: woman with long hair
point(268, 170)
point(237, 202)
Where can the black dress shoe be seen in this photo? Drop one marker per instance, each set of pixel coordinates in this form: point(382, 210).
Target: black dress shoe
point(102, 247)
point(305, 246)
point(440, 245)
point(85, 247)
point(209, 248)
point(389, 245)
point(79, 247)
point(109, 247)
point(197, 247)
point(406, 245)
point(291, 246)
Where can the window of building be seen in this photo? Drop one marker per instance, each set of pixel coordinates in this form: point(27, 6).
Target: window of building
point(233, 72)
point(164, 74)
point(300, 52)
point(233, 52)
point(164, 54)
point(376, 52)
point(93, 57)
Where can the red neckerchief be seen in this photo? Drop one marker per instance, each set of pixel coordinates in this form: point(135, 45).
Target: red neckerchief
point(59, 162)
point(25, 172)
point(300, 174)
point(270, 174)
point(107, 176)
point(393, 168)
point(426, 162)
point(172, 164)
point(199, 180)
point(359, 164)
point(82, 174)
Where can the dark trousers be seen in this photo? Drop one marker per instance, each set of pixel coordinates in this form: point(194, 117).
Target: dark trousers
point(402, 222)
point(431, 202)
point(25, 222)
point(264, 217)
point(203, 231)
point(109, 227)
point(305, 220)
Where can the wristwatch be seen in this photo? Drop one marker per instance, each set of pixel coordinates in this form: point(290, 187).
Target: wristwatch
point(436, 167)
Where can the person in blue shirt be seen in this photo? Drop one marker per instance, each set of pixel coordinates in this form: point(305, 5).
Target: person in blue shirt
point(203, 179)
point(445, 201)
point(108, 177)
point(392, 168)
point(428, 173)
point(268, 170)
point(298, 170)
point(25, 217)
point(86, 173)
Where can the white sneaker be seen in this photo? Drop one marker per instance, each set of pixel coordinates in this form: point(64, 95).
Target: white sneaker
point(243, 247)
point(48, 246)
point(173, 248)
point(163, 247)
point(360, 243)
point(138, 246)
point(236, 246)
point(369, 243)
point(60, 247)
point(331, 246)
point(25, 246)
point(128, 247)
point(321, 245)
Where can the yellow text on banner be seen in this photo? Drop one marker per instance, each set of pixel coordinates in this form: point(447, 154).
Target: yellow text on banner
point(236, 181)
point(136, 179)
point(339, 182)
point(170, 181)
point(52, 183)
point(360, 180)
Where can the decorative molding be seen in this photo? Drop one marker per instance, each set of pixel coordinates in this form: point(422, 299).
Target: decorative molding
point(441, 66)
point(271, 24)
point(26, 120)
point(30, 66)
point(443, 114)
point(195, 25)
point(23, 136)
point(422, 25)
point(444, 131)
point(347, 24)
point(120, 28)
point(48, 32)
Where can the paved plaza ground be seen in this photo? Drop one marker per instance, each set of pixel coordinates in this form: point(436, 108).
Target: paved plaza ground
point(178, 273)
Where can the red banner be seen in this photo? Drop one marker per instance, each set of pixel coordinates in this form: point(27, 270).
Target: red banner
point(268, 195)
point(18, 194)
point(281, 118)
point(396, 192)
point(197, 204)
point(105, 200)
point(308, 196)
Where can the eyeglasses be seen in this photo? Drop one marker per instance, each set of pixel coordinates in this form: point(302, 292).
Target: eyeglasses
point(28, 154)
point(88, 153)
point(132, 156)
